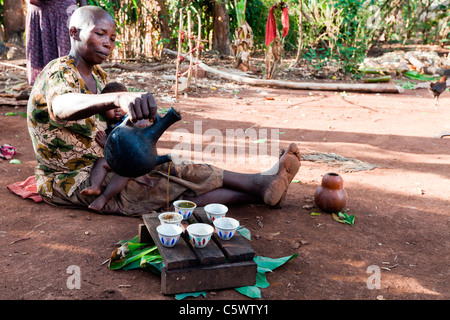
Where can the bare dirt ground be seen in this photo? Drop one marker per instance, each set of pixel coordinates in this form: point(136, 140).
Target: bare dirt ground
point(401, 207)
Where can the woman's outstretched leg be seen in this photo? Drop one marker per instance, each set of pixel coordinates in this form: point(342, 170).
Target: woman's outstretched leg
point(266, 187)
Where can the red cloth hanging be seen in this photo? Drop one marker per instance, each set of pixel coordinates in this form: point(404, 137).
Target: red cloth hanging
point(285, 21)
point(271, 27)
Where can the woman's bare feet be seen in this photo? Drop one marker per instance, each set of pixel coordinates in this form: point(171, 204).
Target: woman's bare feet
point(98, 203)
point(277, 184)
point(91, 191)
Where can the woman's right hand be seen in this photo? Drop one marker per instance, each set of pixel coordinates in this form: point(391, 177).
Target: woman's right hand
point(139, 105)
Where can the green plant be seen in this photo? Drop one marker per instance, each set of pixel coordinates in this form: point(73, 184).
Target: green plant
point(338, 31)
point(344, 217)
point(240, 11)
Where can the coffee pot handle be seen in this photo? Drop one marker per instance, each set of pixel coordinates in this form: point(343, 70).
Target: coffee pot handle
point(126, 121)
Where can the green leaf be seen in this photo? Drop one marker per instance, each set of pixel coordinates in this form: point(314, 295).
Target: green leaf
point(261, 280)
point(249, 291)
point(10, 114)
point(181, 296)
point(343, 217)
point(261, 269)
point(315, 213)
point(350, 219)
point(418, 76)
point(132, 265)
point(264, 265)
point(132, 258)
point(15, 161)
point(135, 239)
point(269, 264)
point(153, 263)
point(132, 246)
point(260, 141)
point(245, 233)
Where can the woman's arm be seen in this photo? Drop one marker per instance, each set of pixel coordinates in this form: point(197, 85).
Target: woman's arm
point(76, 106)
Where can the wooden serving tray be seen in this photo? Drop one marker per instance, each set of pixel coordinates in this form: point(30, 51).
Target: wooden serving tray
point(221, 264)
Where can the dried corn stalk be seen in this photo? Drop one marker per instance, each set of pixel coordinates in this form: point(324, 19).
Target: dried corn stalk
point(138, 30)
point(241, 46)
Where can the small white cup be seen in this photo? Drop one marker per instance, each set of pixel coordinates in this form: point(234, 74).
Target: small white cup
point(200, 234)
point(215, 211)
point(170, 218)
point(185, 212)
point(169, 234)
point(226, 227)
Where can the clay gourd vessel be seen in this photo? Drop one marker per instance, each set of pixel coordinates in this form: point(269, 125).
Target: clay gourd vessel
point(331, 196)
point(130, 151)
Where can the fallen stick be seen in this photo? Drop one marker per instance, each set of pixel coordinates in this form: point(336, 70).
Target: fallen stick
point(18, 240)
point(13, 65)
point(365, 87)
point(12, 102)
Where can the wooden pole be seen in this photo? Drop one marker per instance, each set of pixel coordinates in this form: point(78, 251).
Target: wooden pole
point(191, 60)
point(199, 42)
point(179, 53)
point(13, 66)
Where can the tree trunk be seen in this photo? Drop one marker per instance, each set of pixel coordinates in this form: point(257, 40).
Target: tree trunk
point(14, 21)
point(221, 28)
point(163, 17)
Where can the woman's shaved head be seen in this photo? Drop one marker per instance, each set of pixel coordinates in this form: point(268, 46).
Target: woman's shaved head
point(87, 16)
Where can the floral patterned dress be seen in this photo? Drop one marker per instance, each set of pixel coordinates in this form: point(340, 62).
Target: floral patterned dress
point(65, 150)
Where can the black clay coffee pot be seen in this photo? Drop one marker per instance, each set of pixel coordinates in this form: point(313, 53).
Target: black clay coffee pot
point(131, 152)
